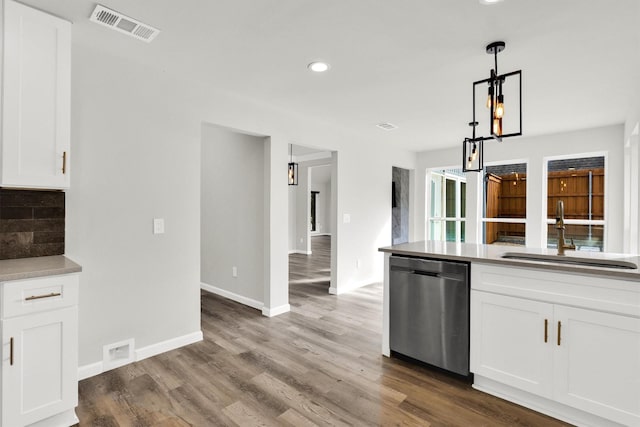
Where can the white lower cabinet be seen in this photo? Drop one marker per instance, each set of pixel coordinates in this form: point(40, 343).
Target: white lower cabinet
point(562, 357)
point(40, 352)
point(597, 363)
point(508, 341)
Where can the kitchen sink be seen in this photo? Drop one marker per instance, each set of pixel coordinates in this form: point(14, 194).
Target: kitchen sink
point(555, 259)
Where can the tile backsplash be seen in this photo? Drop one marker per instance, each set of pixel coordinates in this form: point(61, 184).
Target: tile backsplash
point(31, 223)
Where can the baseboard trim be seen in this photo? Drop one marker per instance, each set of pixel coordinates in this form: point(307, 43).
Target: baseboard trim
point(300, 252)
point(320, 234)
point(168, 345)
point(271, 312)
point(541, 404)
point(350, 287)
point(66, 418)
point(93, 369)
point(232, 296)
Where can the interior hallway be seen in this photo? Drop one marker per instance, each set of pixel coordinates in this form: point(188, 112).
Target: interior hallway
point(311, 272)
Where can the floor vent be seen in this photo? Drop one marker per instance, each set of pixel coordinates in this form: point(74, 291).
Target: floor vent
point(118, 354)
point(124, 24)
point(387, 126)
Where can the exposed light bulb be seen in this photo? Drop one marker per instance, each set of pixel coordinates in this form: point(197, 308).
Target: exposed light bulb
point(490, 97)
point(497, 126)
point(474, 152)
point(500, 107)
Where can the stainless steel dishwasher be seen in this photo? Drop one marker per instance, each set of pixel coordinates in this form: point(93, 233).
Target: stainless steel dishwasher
point(429, 311)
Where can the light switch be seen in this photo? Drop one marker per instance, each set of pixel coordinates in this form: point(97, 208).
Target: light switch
point(346, 218)
point(158, 225)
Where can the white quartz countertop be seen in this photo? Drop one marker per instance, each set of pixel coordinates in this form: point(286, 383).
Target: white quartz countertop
point(26, 268)
point(492, 254)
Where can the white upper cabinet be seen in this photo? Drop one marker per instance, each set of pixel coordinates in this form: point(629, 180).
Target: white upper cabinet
point(36, 99)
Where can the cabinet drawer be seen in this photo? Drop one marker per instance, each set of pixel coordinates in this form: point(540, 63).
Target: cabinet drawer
point(34, 295)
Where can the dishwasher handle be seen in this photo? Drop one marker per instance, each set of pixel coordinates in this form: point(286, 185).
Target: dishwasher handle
point(425, 273)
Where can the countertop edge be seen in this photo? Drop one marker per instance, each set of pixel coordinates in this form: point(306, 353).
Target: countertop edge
point(29, 268)
point(615, 274)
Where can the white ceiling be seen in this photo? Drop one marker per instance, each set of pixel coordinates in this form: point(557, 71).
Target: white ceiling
point(408, 62)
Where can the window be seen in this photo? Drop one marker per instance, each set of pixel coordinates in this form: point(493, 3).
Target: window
point(447, 203)
point(579, 183)
point(505, 204)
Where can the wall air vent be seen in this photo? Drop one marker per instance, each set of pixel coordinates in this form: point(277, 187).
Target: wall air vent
point(124, 24)
point(387, 126)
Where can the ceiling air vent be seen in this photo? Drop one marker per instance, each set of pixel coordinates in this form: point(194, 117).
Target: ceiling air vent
point(387, 126)
point(124, 24)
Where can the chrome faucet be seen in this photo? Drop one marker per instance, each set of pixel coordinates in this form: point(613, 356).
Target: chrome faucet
point(562, 246)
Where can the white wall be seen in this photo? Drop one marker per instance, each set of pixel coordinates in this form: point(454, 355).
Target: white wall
point(135, 153)
point(292, 218)
point(534, 149)
point(232, 211)
point(632, 174)
point(364, 193)
point(276, 259)
point(136, 135)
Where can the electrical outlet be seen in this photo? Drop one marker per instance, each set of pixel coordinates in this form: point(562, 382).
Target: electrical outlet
point(358, 263)
point(346, 218)
point(234, 271)
point(301, 240)
point(158, 225)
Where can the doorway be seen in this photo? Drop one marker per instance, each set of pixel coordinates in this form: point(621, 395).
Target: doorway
point(400, 205)
point(311, 222)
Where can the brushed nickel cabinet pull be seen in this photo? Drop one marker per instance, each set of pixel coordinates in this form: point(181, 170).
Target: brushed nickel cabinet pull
point(51, 295)
point(559, 331)
point(11, 351)
point(546, 330)
point(64, 162)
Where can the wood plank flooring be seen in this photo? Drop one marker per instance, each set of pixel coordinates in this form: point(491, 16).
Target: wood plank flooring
point(311, 271)
point(318, 365)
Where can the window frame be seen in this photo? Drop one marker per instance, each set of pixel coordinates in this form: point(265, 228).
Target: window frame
point(484, 220)
point(545, 196)
point(458, 219)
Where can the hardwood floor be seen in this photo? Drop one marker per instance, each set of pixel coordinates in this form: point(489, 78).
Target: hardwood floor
point(320, 364)
point(311, 272)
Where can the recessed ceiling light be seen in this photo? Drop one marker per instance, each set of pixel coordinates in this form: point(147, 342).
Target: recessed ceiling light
point(318, 67)
point(490, 1)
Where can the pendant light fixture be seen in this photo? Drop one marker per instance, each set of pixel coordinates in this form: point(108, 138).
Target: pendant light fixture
point(472, 152)
point(292, 174)
point(501, 124)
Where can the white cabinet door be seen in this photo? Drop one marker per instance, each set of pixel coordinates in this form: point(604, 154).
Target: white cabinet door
point(597, 363)
point(509, 343)
point(36, 99)
point(39, 366)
